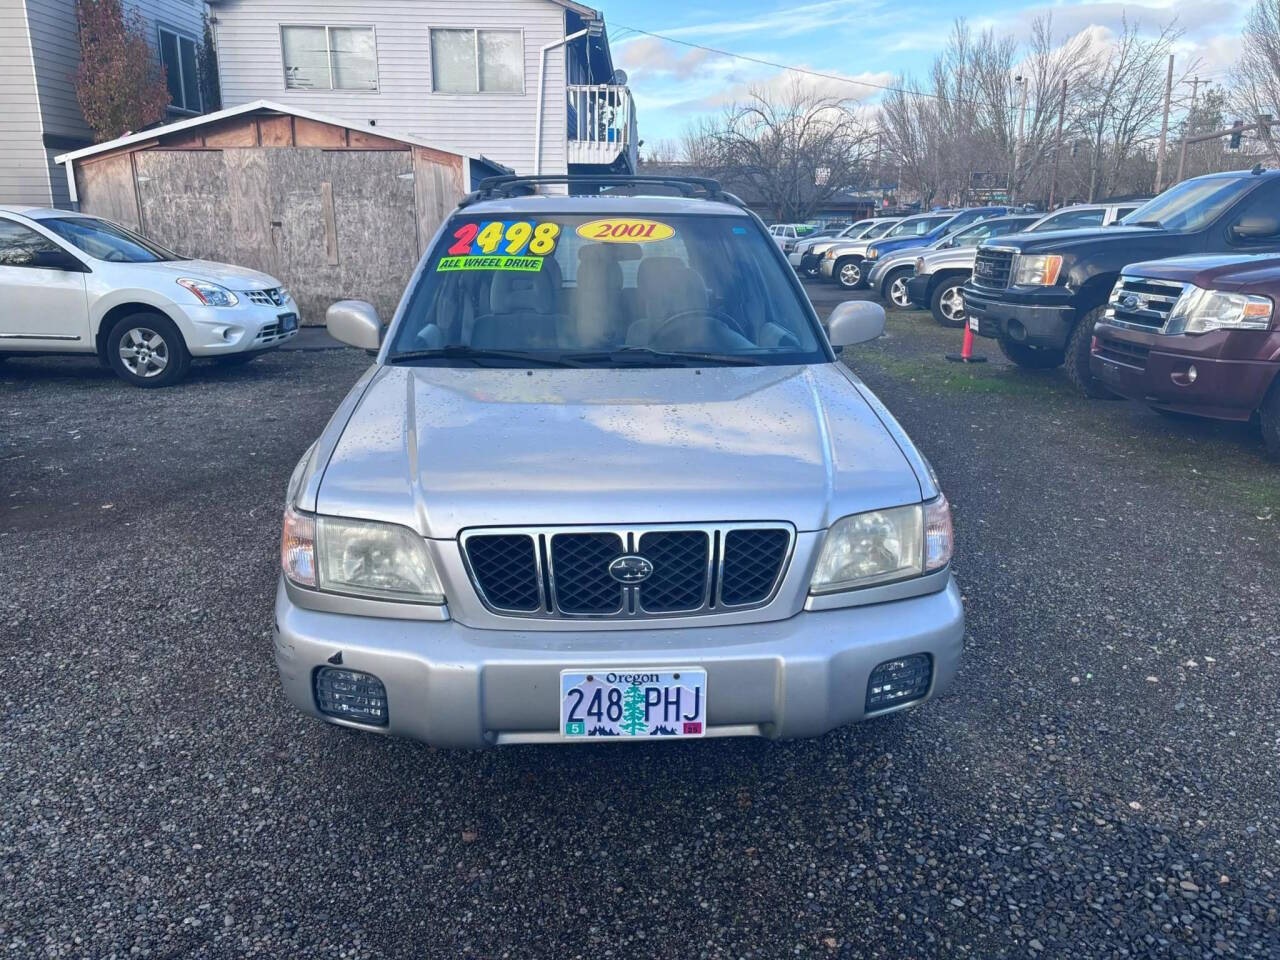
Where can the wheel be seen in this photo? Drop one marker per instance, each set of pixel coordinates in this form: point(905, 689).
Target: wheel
point(894, 288)
point(1030, 358)
point(146, 350)
point(237, 359)
point(1269, 414)
point(947, 302)
point(1076, 362)
point(848, 273)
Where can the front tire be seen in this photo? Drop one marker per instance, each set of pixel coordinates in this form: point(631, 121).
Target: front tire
point(1076, 362)
point(1030, 358)
point(848, 273)
point(1269, 414)
point(146, 350)
point(894, 288)
point(947, 302)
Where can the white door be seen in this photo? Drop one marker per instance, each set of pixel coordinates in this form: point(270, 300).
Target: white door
point(42, 293)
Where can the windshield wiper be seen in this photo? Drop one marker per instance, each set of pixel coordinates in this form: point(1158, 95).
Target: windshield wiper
point(644, 356)
point(458, 351)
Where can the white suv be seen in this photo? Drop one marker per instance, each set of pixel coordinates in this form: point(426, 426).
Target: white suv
point(76, 284)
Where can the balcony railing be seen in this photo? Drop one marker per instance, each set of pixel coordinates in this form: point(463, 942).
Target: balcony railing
point(602, 124)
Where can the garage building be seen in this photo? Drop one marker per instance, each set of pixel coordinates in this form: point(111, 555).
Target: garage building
point(334, 210)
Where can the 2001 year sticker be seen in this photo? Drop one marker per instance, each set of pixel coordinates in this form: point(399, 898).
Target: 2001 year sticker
point(626, 230)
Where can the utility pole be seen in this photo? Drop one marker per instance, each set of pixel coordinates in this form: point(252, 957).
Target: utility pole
point(1057, 144)
point(1182, 150)
point(1164, 127)
point(1017, 144)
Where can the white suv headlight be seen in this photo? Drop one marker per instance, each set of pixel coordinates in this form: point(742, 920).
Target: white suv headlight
point(1199, 311)
point(359, 557)
point(210, 294)
point(882, 546)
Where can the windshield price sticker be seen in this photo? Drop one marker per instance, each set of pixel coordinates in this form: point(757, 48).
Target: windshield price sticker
point(626, 230)
point(501, 245)
point(633, 703)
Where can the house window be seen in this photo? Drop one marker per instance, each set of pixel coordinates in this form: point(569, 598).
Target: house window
point(329, 58)
point(178, 54)
point(477, 61)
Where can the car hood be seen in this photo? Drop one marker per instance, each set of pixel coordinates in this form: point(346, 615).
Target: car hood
point(902, 255)
point(1250, 273)
point(932, 260)
point(226, 274)
point(1081, 238)
point(440, 449)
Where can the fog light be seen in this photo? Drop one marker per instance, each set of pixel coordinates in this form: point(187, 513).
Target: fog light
point(899, 681)
point(351, 695)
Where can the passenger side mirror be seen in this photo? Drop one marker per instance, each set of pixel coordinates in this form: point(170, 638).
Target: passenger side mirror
point(354, 323)
point(855, 321)
point(1256, 226)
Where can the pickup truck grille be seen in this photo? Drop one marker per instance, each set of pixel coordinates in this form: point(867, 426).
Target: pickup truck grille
point(1139, 302)
point(991, 268)
point(1129, 354)
point(565, 572)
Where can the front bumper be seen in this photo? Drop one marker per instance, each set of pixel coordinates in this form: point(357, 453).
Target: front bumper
point(918, 290)
point(459, 686)
point(999, 314)
point(1230, 381)
point(826, 268)
point(217, 331)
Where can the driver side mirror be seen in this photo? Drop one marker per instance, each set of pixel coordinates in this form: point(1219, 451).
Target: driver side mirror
point(355, 323)
point(855, 321)
point(1256, 226)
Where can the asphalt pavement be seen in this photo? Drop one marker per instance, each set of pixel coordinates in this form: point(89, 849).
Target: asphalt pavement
point(1100, 782)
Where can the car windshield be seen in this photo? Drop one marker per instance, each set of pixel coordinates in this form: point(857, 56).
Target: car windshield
point(858, 229)
point(917, 226)
point(104, 240)
point(972, 236)
point(612, 291)
point(1190, 205)
point(880, 229)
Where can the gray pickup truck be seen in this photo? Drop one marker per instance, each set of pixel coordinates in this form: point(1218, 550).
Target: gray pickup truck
point(608, 478)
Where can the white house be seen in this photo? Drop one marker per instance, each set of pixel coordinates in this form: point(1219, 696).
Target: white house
point(39, 115)
point(529, 84)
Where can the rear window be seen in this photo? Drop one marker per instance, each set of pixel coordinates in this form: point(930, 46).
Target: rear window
point(606, 291)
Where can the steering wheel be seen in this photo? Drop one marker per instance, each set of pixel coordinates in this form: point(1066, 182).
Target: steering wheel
point(706, 327)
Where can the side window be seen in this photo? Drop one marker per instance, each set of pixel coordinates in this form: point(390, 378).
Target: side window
point(1258, 216)
point(21, 246)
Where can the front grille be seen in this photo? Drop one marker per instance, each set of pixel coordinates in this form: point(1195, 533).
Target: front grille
point(580, 579)
point(565, 572)
point(274, 297)
point(991, 268)
point(1117, 351)
point(1138, 302)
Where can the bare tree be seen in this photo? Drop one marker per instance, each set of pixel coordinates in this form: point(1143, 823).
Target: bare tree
point(793, 151)
point(1256, 76)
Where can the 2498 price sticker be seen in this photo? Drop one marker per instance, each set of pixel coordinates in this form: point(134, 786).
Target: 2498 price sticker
point(512, 238)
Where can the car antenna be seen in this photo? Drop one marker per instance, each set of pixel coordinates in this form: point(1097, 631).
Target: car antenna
point(1258, 168)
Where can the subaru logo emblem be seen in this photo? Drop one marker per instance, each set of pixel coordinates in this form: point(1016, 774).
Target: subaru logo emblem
point(630, 568)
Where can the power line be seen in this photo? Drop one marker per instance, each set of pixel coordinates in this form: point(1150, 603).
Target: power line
point(804, 70)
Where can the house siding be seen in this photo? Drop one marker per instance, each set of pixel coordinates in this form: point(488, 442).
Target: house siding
point(498, 126)
point(24, 170)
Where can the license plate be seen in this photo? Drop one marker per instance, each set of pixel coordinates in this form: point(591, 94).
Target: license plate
point(288, 322)
point(633, 702)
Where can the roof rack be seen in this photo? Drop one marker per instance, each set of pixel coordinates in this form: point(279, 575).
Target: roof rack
point(512, 186)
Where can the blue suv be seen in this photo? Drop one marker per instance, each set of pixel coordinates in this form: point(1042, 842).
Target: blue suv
point(920, 231)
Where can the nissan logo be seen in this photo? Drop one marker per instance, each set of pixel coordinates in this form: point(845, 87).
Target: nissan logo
point(630, 569)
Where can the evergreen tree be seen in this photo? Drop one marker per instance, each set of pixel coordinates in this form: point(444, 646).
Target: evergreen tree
point(633, 721)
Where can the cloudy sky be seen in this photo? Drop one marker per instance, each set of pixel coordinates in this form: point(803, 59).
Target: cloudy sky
point(871, 40)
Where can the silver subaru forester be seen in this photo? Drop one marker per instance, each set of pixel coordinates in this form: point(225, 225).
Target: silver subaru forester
point(607, 479)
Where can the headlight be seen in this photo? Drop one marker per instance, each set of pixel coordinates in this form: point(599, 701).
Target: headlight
point(882, 546)
point(1037, 271)
point(830, 254)
point(358, 557)
point(1199, 311)
point(872, 253)
point(210, 294)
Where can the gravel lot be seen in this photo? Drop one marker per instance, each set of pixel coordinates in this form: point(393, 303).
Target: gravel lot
point(1101, 782)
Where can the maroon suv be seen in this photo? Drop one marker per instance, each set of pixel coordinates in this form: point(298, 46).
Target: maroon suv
point(1196, 335)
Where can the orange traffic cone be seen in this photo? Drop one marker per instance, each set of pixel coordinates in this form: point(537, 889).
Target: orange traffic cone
point(966, 354)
